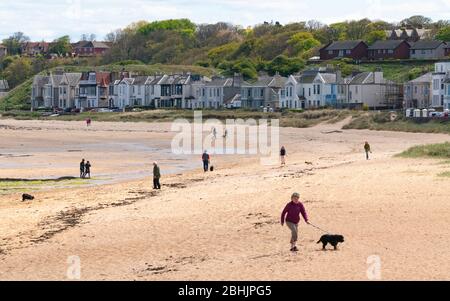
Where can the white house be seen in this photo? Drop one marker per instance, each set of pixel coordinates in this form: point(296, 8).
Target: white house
point(124, 93)
point(439, 76)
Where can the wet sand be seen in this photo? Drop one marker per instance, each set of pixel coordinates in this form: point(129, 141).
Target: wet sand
point(224, 225)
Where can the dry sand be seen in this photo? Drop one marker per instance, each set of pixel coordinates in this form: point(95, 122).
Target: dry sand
point(223, 225)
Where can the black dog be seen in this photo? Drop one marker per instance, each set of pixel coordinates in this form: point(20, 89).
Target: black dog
point(27, 197)
point(331, 239)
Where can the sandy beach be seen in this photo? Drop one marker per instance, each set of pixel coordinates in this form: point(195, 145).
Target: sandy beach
point(221, 225)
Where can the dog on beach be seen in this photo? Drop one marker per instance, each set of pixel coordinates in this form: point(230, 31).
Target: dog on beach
point(330, 239)
point(26, 196)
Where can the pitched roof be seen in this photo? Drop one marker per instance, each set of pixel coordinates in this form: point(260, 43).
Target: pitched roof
point(71, 79)
point(41, 80)
point(342, 45)
point(55, 79)
point(140, 80)
point(219, 82)
point(362, 78)
point(307, 78)
point(328, 78)
point(387, 44)
point(426, 44)
point(102, 78)
point(100, 45)
point(426, 78)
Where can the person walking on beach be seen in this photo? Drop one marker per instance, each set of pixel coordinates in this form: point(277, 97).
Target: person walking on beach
point(156, 176)
point(214, 133)
point(88, 122)
point(283, 155)
point(87, 169)
point(367, 150)
point(291, 215)
point(82, 166)
point(225, 133)
point(205, 159)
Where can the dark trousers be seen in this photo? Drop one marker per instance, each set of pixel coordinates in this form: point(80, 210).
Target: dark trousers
point(156, 184)
point(205, 165)
point(367, 155)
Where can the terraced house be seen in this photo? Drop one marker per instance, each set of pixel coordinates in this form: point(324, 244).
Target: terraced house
point(266, 92)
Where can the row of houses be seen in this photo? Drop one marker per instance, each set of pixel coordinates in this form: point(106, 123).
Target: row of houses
point(122, 89)
point(310, 89)
point(386, 49)
point(82, 48)
point(431, 90)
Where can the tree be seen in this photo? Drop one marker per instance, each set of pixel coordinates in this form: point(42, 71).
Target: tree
point(314, 25)
point(284, 65)
point(374, 36)
point(444, 34)
point(61, 46)
point(18, 71)
point(416, 21)
point(13, 43)
point(356, 30)
point(302, 41)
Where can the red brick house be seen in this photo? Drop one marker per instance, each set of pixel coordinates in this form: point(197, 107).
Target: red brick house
point(339, 49)
point(389, 49)
point(90, 48)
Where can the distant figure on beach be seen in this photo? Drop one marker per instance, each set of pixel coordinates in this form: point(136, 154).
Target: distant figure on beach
point(225, 133)
point(214, 131)
point(88, 122)
point(82, 165)
point(205, 159)
point(156, 176)
point(283, 155)
point(367, 150)
point(291, 215)
point(87, 169)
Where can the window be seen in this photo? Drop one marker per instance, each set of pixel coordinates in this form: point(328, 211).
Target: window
point(249, 92)
point(436, 84)
point(415, 89)
point(330, 51)
point(356, 89)
point(309, 91)
point(314, 86)
point(413, 51)
point(390, 51)
point(262, 92)
point(318, 89)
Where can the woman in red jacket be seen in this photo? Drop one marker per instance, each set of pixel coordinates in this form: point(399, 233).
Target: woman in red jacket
point(291, 214)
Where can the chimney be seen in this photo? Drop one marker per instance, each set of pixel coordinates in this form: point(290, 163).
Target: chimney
point(378, 76)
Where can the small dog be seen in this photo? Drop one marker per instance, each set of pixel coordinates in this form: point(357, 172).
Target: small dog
point(211, 168)
point(27, 197)
point(331, 239)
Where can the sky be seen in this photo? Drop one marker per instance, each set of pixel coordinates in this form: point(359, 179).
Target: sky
point(49, 19)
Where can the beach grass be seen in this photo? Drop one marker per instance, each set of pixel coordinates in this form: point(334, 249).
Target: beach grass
point(24, 185)
point(445, 174)
point(438, 151)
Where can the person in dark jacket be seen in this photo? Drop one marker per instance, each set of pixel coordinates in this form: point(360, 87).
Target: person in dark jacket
point(205, 159)
point(291, 215)
point(367, 149)
point(87, 169)
point(283, 155)
point(156, 176)
point(82, 165)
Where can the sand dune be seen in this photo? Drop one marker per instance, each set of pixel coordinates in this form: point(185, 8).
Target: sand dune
point(225, 225)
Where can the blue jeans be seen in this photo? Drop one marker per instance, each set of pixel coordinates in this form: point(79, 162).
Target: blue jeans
point(205, 165)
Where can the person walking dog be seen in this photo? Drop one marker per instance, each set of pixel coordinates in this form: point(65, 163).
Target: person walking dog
point(291, 215)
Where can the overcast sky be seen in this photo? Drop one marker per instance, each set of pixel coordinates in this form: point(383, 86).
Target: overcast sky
point(49, 19)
